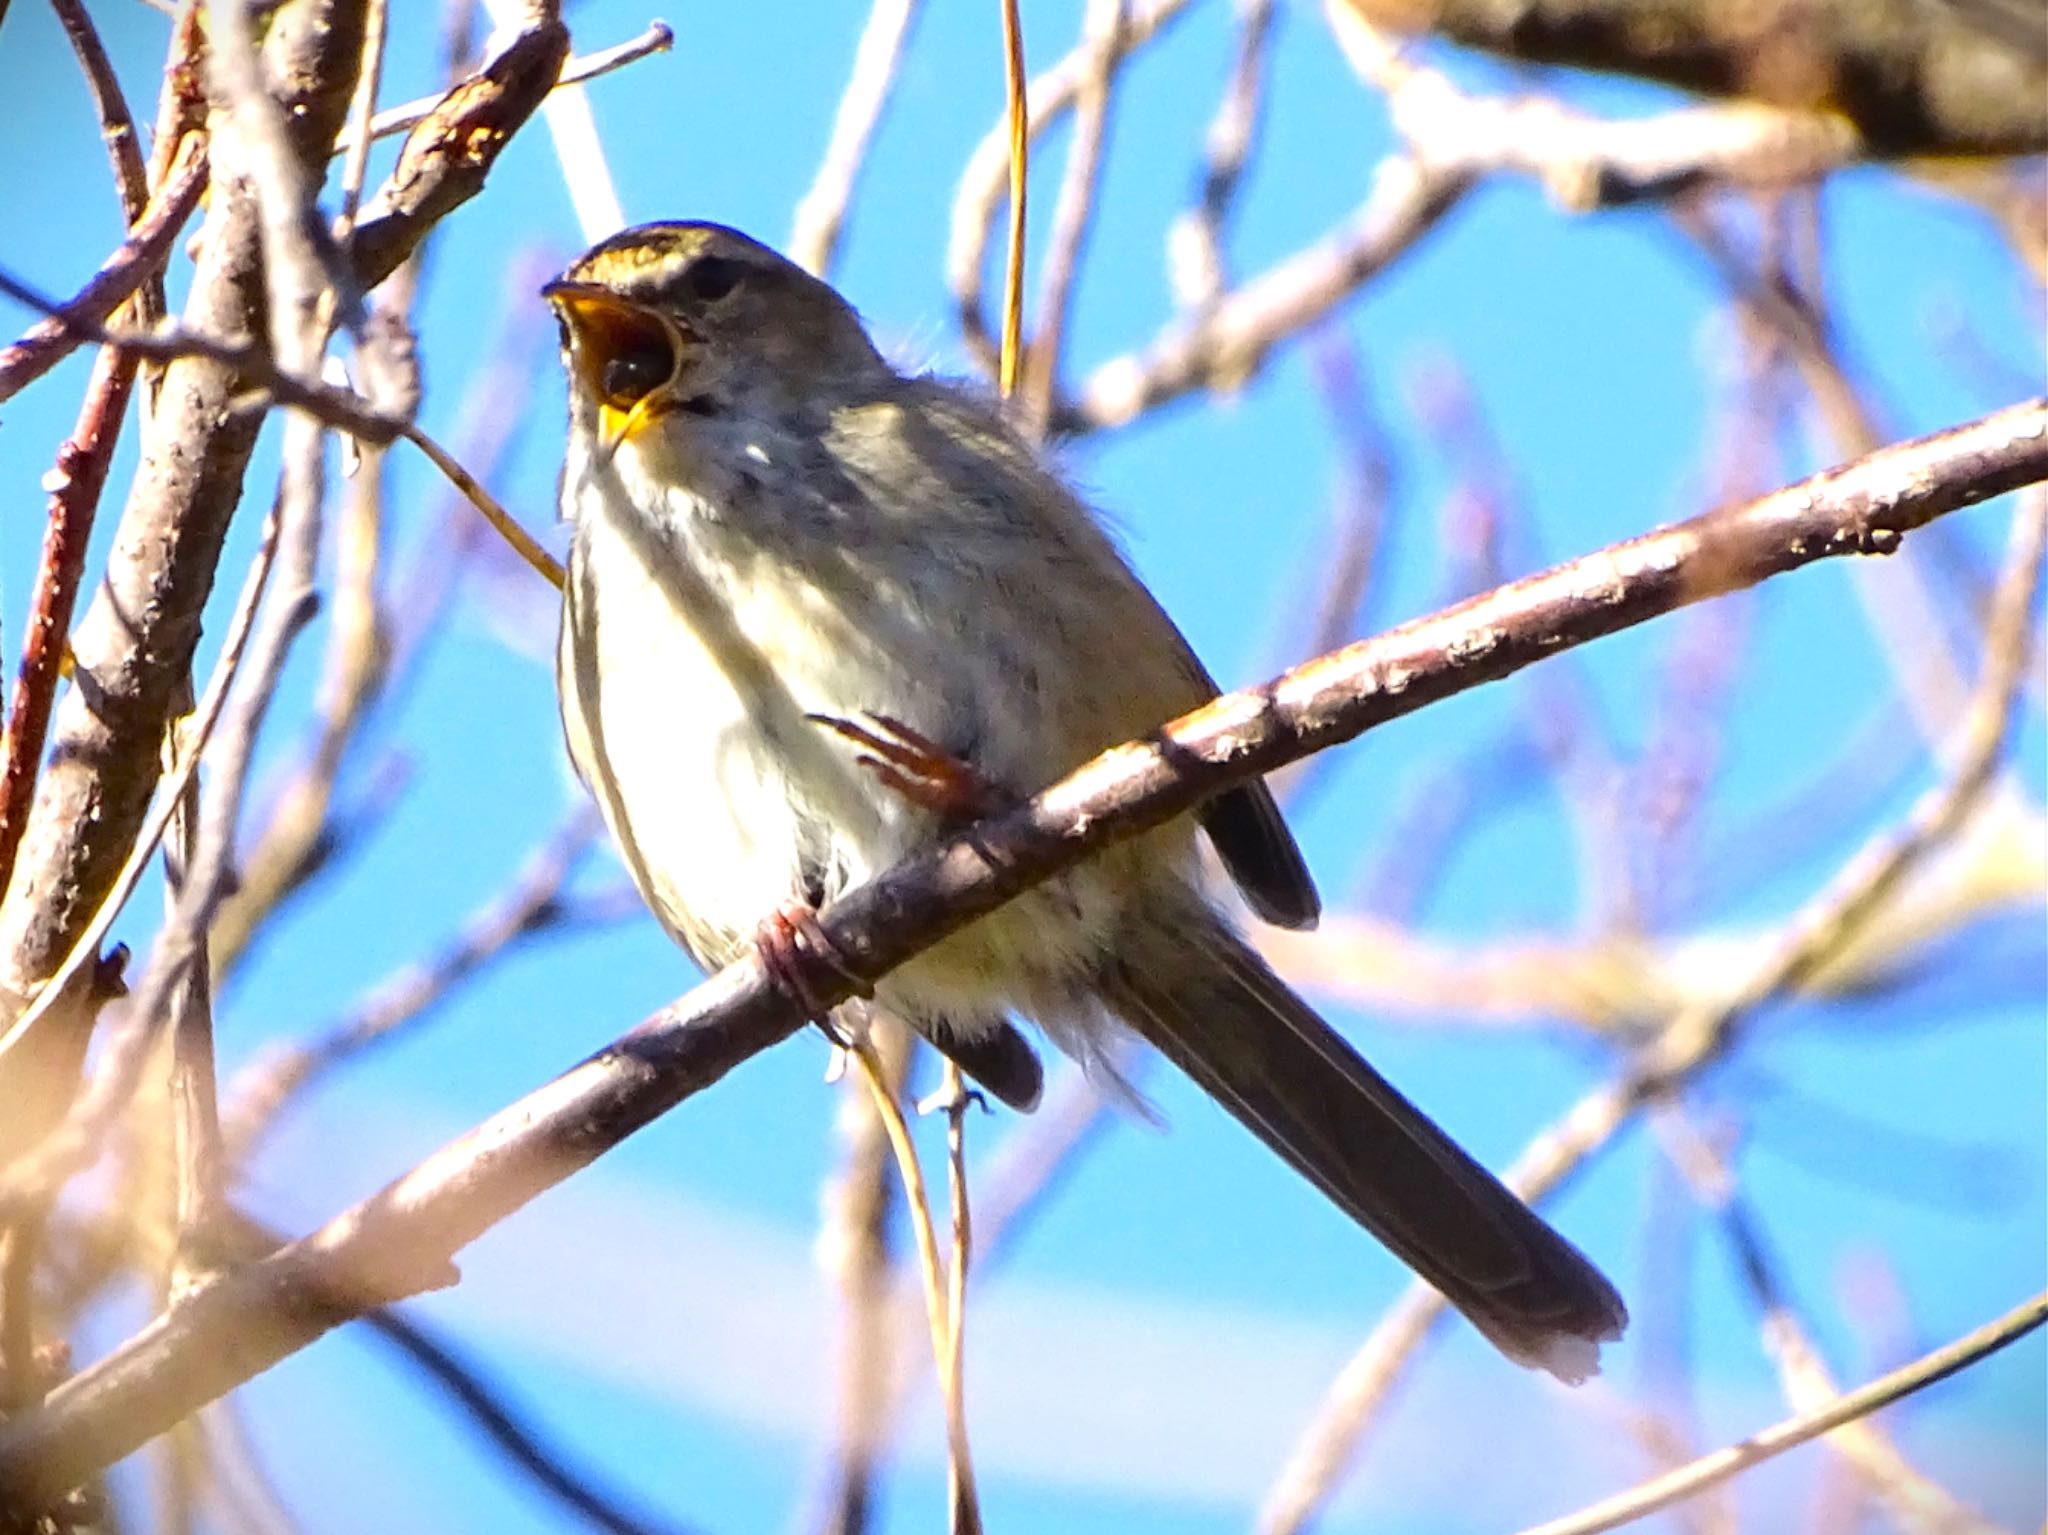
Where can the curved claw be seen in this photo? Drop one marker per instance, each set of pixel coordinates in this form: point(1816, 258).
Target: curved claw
point(780, 941)
point(917, 767)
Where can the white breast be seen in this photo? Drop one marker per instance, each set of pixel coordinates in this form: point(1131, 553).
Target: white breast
point(687, 666)
point(691, 652)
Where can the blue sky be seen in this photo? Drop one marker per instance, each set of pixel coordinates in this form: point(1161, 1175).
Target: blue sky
point(1146, 1354)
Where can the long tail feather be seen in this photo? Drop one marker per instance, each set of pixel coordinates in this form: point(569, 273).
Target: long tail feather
point(1215, 1010)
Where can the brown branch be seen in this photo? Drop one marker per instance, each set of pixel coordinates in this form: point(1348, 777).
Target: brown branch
point(403, 1239)
point(39, 1076)
point(80, 477)
point(139, 259)
point(75, 485)
point(1913, 79)
point(134, 646)
point(72, 1145)
point(132, 179)
point(117, 122)
point(445, 159)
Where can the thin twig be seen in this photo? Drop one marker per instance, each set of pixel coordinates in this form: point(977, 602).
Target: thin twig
point(1074, 208)
point(1895, 598)
point(240, 1489)
point(1711, 1470)
point(1343, 567)
point(117, 122)
point(200, 1179)
point(356, 157)
point(75, 486)
point(343, 409)
point(127, 271)
point(1917, 1502)
point(1194, 245)
point(1027, 1166)
point(1012, 356)
point(544, 565)
point(821, 212)
point(573, 131)
point(484, 1406)
point(340, 408)
point(856, 1244)
point(1225, 345)
point(966, 1512)
point(960, 1461)
point(392, 121)
point(1049, 98)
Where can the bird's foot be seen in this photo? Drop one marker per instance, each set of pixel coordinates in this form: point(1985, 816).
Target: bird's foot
point(781, 941)
point(952, 1096)
point(918, 768)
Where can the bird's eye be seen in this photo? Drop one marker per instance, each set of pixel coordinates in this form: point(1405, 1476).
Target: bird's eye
point(709, 278)
point(641, 362)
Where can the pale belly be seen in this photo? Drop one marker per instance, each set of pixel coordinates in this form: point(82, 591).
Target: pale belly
point(684, 696)
point(684, 708)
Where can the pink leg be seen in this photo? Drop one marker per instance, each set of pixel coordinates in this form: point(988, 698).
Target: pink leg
point(780, 941)
point(918, 768)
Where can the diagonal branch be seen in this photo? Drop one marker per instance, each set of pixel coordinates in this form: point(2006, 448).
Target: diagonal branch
point(403, 1239)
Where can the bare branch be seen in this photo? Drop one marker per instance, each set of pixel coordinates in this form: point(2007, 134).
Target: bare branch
point(134, 645)
point(1073, 212)
point(452, 149)
point(658, 38)
point(1194, 245)
point(821, 212)
point(1225, 345)
point(139, 260)
point(1711, 1470)
point(402, 1239)
point(1916, 1501)
point(484, 1406)
point(1914, 79)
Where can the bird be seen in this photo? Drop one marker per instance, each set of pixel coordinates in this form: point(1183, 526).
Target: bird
point(820, 612)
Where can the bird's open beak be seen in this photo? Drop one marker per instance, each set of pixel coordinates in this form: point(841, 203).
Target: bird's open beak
point(623, 353)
